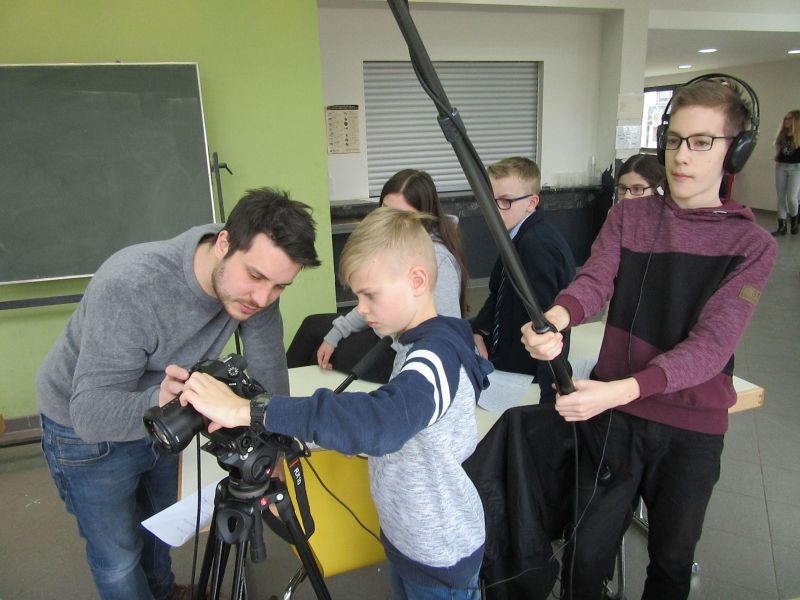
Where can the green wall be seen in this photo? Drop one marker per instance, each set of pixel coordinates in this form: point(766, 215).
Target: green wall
point(261, 83)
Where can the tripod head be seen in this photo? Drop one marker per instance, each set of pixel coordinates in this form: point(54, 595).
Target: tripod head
point(250, 458)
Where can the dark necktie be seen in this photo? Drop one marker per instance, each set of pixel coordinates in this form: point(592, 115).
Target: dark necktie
point(498, 306)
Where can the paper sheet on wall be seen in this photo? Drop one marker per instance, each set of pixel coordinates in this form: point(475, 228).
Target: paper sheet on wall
point(505, 390)
point(343, 128)
point(176, 525)
point(628, 137)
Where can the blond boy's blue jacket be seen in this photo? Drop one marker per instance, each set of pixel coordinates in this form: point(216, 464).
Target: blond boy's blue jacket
point(417, 429)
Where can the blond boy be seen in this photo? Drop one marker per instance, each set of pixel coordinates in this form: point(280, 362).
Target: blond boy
point(417, 429)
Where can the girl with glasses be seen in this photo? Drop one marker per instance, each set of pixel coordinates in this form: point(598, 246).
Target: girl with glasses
point(640, 175)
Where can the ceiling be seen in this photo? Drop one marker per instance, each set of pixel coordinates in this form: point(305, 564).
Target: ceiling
point(668, 48)
point(746, 32)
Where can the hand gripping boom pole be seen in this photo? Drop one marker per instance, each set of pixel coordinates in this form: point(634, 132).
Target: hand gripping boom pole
point(455, 133)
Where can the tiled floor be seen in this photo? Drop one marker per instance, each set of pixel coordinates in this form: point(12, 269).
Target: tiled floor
point(751, 542)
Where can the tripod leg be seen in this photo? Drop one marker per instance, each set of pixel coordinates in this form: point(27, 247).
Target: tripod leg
point(215, 560)
point(239, 587)
point(212, 559)
point(215, 557)
point(289, 518)
point(294, 583)
point(208, 559)
point(217, 571)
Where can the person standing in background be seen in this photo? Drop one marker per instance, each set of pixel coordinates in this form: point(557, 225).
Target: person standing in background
point(787, 171)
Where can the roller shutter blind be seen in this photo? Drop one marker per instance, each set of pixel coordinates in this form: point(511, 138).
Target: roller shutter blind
point(498, 101)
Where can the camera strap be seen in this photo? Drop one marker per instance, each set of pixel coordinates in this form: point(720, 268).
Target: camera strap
point(298, 477)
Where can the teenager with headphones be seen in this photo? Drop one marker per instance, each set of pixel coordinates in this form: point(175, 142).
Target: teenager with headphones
point(684, 273)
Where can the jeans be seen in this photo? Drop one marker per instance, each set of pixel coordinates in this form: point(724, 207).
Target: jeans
point(787, 186)
point(403, 589)
point(111, 487)
point(674, 471)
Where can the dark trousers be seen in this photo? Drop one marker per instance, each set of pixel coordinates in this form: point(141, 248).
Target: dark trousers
point(674, 471)
point(303, 349)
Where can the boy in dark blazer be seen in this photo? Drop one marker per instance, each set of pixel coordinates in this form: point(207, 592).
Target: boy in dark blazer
point(546, 259)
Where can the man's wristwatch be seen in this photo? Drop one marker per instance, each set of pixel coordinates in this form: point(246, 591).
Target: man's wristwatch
point(258, 410)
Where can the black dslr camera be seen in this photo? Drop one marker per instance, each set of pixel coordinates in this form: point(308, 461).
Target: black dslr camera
point(173, 426)
point(247, 455)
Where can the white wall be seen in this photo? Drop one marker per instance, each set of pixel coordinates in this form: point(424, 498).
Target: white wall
point(777, 85)
point(570, 45)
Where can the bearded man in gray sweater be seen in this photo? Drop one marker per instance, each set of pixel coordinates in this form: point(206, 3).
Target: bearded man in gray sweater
point(172, 302)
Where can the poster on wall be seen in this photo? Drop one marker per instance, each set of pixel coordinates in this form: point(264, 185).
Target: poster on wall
point(343, 130)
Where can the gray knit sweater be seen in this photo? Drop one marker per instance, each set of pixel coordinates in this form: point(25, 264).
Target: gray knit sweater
point(143, 310)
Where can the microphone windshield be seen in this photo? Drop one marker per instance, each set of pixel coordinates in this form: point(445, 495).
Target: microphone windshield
point(370, 358)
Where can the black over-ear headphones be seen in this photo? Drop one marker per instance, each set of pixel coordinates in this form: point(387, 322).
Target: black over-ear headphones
point(742, 145)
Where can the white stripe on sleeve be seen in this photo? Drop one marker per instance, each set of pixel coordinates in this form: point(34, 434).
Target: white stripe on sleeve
point(429, 365)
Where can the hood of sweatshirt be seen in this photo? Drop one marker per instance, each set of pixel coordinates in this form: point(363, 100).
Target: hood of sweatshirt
point(456, 334)
point(728, 210)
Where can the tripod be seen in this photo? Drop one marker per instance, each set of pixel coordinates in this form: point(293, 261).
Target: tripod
point(236, 521)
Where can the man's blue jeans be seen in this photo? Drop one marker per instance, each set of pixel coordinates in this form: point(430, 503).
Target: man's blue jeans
point(111, 487)
point(403, 589)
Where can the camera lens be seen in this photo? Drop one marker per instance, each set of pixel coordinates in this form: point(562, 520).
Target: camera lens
point(160, 436)
point(173, 426)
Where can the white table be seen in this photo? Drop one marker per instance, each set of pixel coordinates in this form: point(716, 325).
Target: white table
point(303, 381)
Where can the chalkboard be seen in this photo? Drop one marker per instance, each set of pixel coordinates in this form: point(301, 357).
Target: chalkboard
point(94, 158)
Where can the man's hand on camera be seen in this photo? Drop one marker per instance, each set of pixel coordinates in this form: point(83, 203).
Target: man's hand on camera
point(172, 385)
point(215, 400)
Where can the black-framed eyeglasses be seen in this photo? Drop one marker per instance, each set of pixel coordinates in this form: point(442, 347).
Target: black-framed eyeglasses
point(635, 190)
point(696, 143)
point(505, 203)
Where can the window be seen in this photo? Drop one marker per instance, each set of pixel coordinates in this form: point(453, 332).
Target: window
point(655, 101)
point(498, 102)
